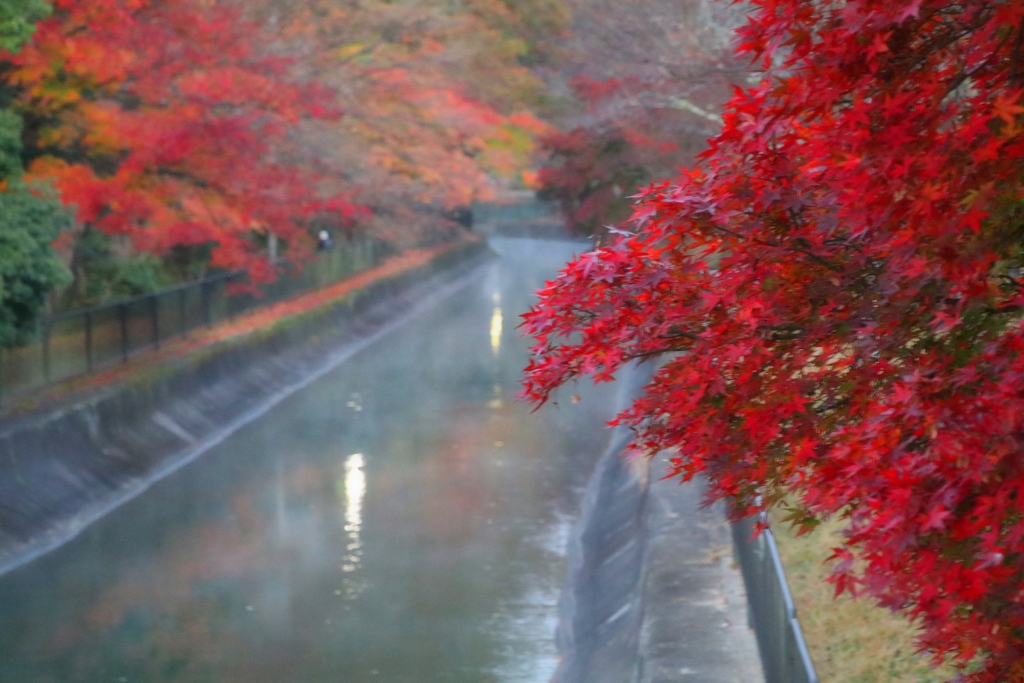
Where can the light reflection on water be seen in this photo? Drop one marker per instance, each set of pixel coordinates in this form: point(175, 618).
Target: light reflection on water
point(401, 520)
point(355, 489)
point(496, 331)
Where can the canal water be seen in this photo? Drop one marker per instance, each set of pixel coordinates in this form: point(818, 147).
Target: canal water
point(402, 519)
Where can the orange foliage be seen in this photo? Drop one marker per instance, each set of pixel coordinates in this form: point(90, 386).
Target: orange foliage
point(208, 125)
point(160, 121)
point(439, 109)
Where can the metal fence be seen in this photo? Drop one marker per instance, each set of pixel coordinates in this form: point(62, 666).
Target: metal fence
point(87, 339)
point(784, 654)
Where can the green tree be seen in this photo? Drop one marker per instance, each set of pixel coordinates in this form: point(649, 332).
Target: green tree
point(18, 21)
point(29, 223)
point(29, 267)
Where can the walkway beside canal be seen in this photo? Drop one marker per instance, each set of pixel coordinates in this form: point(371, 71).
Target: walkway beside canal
point(695, 623)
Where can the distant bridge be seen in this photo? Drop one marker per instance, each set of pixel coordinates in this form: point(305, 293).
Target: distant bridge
point(520, 214)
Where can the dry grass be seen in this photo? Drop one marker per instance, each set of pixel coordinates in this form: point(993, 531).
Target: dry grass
point(850, 640)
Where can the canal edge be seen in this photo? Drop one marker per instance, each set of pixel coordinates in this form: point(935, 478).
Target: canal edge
point(66, 467)
point(652, 593)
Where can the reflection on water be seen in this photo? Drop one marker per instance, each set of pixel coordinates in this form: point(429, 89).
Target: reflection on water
point(497, 402)
point(496, 331)
point(354, 489)
point(400, 520)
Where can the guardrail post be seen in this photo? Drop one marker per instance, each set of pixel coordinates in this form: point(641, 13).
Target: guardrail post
point(122, 316)
point(784, 655)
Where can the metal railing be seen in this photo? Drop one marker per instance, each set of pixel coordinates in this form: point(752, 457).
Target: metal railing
point(772, 613)
point(84, 340)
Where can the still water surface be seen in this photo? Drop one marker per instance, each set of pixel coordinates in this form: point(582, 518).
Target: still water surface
point(402, 519)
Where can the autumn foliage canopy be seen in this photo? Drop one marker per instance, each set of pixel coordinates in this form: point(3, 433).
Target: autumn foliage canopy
point(426, 120)
point(836, 293)
point(189, 135)
point(158, 121)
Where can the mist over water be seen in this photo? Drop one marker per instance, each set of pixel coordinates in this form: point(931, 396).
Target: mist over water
point(401, 519)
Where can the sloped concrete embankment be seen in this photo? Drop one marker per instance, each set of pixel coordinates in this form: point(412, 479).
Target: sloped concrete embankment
point(601, 606)
point(62, 469)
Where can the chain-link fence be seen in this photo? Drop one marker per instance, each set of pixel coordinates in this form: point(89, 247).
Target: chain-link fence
point(87, 339)
point(772, 612)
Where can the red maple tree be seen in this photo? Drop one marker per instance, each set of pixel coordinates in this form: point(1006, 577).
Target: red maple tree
point(161, 121)
point(836, 292)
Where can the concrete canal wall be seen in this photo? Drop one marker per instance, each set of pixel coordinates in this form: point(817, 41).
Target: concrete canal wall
point(62, 468)
point(601, 608)
point(653, 594)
